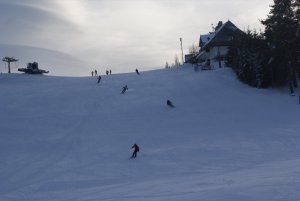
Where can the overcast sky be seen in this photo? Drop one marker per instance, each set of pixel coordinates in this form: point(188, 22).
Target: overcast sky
point(122, 34)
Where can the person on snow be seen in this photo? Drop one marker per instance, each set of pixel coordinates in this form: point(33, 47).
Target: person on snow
point(170, 104)
point(95, 72)
point(99, 79)
point(125, 88)
point(136, 149)
point(137, 71)
point(92, 73)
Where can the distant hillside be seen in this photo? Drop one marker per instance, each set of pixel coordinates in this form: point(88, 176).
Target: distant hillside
point(57, 63)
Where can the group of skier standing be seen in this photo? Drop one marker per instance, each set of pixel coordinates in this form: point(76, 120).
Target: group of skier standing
point(94, 72)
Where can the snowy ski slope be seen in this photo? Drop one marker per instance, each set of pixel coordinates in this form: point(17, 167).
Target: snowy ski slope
point(69, 138)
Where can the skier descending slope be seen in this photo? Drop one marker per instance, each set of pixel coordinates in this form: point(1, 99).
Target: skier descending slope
point(136, 149)
point(99, 79)
point(125, 88)
point(170, 104)
point(137, 71)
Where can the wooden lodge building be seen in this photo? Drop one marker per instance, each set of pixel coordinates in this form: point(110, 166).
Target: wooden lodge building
point(215, 44)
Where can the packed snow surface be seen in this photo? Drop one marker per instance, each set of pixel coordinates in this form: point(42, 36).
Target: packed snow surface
point(68, 138)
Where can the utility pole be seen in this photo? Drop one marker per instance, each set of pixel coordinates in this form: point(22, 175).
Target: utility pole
point(181, 50)
point(9, 60)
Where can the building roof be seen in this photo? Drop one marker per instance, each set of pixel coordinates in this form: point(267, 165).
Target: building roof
point(228, 25)
point(205, 38)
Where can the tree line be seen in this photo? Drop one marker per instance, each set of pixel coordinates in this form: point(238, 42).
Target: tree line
point(271, 57)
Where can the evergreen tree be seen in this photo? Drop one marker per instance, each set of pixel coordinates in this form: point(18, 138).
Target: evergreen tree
point(271, 58)
point(280, 34)
point(296, 7)
point(247, 57)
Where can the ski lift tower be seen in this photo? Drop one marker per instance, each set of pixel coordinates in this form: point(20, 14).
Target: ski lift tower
point(9, 60)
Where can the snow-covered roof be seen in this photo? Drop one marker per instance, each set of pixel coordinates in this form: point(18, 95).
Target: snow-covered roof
point(227, 24)
point(205, 38)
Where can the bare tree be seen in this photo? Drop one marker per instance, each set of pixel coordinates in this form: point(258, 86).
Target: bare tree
point(193, 49)
point(167, 65)
point(176, 61)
